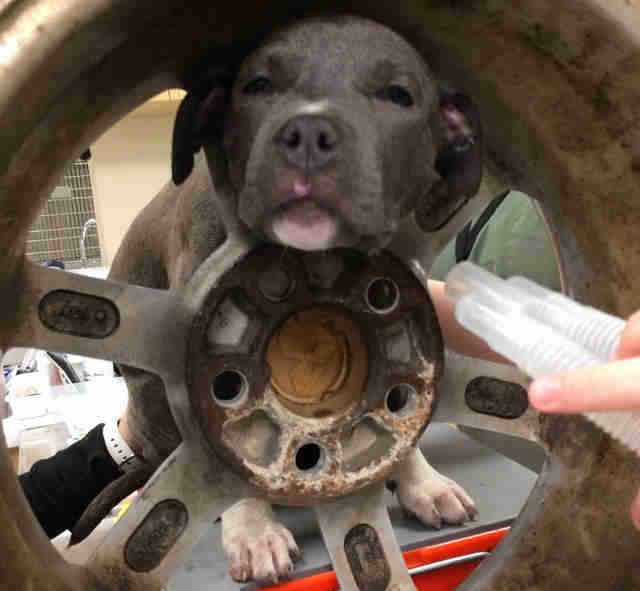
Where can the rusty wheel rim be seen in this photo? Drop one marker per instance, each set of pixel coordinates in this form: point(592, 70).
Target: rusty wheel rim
point(577, 155)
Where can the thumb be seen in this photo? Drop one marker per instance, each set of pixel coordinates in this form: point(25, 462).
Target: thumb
point(629, 345)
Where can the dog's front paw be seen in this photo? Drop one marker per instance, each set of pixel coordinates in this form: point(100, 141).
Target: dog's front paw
point(429, 496)
point(258, 547)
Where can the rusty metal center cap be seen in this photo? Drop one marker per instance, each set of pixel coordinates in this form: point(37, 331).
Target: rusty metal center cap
point(313, 376)
point(317, 357)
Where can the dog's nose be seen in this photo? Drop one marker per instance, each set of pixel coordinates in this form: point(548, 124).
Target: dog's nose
point(308, 141)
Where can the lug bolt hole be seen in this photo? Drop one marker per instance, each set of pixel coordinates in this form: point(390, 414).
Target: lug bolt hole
point(309, 456)
point(230, 388)
point(382, 295)
point(399, 398)
point(276, 284)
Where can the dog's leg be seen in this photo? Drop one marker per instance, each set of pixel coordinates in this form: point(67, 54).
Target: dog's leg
point(433, 498)
point(257, 546)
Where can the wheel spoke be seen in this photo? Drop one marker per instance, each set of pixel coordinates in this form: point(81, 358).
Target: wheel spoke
point(157, 533)
point(453, 395)
point(360, 540)
point(70, 313)
point(234, 249)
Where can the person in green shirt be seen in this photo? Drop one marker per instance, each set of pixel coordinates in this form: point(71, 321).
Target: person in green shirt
point(508, 238)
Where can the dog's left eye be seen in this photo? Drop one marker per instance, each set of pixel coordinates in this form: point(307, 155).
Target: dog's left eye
point(397, 94)
point(258, 85)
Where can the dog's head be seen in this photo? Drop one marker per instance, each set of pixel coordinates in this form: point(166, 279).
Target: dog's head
point(334, 130)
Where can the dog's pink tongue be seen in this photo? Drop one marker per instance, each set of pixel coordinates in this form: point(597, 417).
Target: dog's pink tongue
point(301, 189)
point(306, 226)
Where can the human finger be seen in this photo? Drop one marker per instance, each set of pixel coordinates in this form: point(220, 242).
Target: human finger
point(635, 511)
point(607, 386)
point(629, 345)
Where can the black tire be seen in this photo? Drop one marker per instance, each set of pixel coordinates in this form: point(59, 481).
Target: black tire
point(557, 84)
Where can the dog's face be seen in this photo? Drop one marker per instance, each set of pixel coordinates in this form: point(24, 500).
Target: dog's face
point(334, 130)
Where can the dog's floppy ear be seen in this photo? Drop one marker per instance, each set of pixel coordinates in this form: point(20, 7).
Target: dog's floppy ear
point(200, 118)
point(459, 160)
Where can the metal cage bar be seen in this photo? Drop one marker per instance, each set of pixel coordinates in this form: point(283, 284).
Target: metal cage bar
point(57, 232)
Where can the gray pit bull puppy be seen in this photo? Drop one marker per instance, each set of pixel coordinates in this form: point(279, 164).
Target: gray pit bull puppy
point(328, 135)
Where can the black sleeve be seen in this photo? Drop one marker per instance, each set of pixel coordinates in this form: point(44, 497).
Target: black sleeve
point(61, 487)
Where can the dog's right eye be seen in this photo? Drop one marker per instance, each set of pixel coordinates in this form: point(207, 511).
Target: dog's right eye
point(258, 85)
point(396, 94)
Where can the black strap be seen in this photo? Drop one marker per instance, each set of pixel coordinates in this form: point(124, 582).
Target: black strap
point(466, 238)
point(62, 362)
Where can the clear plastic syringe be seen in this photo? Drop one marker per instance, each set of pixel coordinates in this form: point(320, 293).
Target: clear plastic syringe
point(541, 331)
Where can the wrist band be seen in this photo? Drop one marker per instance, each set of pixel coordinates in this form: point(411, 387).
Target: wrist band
point(119, 449)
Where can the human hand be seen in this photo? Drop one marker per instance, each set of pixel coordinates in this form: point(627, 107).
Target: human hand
point(127, 434)
point(607, 386)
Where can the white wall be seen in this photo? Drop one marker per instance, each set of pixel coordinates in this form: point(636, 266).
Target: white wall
point(130, 163)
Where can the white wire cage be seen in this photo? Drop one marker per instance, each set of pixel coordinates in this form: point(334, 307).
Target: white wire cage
point(58, 231)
